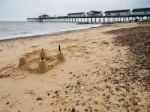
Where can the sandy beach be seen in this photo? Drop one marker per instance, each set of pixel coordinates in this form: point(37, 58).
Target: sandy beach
point(101, 71)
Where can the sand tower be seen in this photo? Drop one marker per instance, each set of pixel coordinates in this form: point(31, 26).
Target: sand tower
point(59, 49)
point(22, 62)
point(43, 67)
point(42, 54)
point(60, 55)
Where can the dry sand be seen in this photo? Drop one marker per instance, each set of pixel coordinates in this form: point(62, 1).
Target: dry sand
point(82, 80)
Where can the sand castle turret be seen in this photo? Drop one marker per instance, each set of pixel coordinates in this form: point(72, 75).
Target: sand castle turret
point(42, 54)
point(59, 48)
point(22, 62)
point(60, 55)
point(43, 66)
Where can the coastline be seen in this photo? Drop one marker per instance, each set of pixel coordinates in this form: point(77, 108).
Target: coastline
point(93, 75)
point(58, 33)
point(50, 34)
point(53, 33)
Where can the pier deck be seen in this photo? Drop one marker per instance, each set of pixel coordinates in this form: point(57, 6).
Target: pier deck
point(92, 20)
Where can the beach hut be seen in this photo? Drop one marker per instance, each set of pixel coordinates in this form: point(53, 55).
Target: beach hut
point(94, 13)
point(141, 11)
point(79, 14)
point(125, 12)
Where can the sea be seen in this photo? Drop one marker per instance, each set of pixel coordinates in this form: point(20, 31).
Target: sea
point(21, 29)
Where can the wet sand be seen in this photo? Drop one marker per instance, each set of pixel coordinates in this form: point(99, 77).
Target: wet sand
point(98, 72)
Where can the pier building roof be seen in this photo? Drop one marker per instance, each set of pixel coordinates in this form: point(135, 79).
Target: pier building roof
point(116, 11)
point(141, 9)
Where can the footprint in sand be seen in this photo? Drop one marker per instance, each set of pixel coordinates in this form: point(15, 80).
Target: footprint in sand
point(104, 43)
point(78, 51)
point(64, 41)
point(6, 71)
point(34, 46)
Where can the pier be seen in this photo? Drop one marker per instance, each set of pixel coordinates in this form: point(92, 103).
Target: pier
point(92, 20)
point(98, 17)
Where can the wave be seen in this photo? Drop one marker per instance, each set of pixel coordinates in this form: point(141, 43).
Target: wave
point(10, 30)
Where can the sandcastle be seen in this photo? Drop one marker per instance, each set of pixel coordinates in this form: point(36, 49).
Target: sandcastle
point(40, 61)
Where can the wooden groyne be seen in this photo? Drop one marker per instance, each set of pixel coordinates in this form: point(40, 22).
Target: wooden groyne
point(92, 20)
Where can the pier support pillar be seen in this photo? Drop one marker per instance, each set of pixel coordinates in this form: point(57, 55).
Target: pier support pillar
point(99, 20)
point(88, 20)
point(95, 20)
point(75, 20)
point(91, 21)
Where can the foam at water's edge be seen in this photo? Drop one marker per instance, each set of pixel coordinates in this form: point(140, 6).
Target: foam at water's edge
point(18, 30)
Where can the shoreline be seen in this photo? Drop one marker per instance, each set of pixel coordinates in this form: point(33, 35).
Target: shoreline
point(53, 34)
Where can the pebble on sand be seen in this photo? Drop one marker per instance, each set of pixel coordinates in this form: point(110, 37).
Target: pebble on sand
point(39, 98)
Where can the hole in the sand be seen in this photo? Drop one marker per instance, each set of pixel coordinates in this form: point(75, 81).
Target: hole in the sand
point(105, 42)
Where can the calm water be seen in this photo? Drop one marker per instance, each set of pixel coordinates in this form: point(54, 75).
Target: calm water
point(10, 30)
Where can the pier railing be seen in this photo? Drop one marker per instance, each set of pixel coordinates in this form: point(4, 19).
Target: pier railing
point(92, 20)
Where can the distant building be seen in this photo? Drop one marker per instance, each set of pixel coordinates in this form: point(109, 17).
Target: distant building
point(125, 12)
point(80, 14)
point(141, 11)
point(44, 16)
point(94, 13)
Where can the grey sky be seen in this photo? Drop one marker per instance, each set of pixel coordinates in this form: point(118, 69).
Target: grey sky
point(21, 9)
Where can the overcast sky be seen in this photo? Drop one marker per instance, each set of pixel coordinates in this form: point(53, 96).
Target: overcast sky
point(14, 10)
